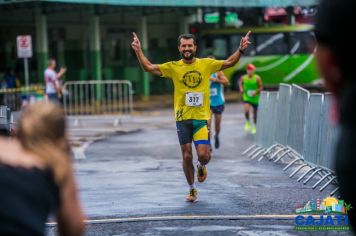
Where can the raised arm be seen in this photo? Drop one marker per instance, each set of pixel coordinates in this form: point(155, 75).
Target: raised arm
point(222, 78)
point(61, 72)
point(260, 85)
point(235, 57)
point(241, 84)
point(144, 62)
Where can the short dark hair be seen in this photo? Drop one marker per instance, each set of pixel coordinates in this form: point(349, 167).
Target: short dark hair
point(187, 36)
point(333, 18)
point(51, 61)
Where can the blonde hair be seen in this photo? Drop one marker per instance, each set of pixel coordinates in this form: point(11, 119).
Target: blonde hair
point(42, 131)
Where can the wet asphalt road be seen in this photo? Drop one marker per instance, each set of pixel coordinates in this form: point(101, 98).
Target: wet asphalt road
point(135, 170)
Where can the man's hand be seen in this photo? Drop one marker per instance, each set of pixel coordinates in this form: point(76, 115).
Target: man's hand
point(212, 79)
point(62, 70)
point(244, 43)
point(136, 44)
point(144, 62)
point(235, 57)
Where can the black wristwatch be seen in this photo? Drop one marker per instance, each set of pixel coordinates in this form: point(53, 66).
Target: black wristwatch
point(241, 51)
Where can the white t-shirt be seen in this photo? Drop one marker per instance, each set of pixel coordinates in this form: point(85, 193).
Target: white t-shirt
point(50, 77)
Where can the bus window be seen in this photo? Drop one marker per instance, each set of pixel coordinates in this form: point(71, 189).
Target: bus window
point(235, 43)
point(220, 48)
point(271, 44)
point(301, 42)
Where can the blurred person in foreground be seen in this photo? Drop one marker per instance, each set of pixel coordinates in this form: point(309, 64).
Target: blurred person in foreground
point(334, 57)
point(250, 87)
point(36, 176)
point(190, 77)
point(4, 131)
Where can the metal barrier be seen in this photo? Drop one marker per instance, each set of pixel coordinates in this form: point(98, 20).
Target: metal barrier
point(312, 128)
point(97, 97)
point(298, 107)
point(271, 115)
point(298, 123)
point(263, 112)
point(266, 129)
point(311, 137)
point(279, 132)
point(259, 138)
point(283, 110)
point(5, 119)
point(295, 130)
point(328, 137)
point(14, 98)
point(3, 115)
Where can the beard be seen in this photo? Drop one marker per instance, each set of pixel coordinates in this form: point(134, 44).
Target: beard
point(190, 57)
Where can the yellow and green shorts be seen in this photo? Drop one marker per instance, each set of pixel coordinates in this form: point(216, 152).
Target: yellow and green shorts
point(193, 130)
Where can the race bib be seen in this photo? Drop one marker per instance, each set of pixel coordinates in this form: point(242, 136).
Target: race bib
point(251, 93)
point(213, 92)
point(194, 99)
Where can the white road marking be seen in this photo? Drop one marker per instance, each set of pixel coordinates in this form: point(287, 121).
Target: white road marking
point(187, 217)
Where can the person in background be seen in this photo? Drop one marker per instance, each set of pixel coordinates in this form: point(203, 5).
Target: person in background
point(36, 176)
point(10, 78)
point(251, 87)
point(52, 80)
point(217, 101)
point(338, 70)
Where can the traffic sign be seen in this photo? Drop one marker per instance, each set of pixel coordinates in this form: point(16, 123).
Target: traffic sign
point(24, 46)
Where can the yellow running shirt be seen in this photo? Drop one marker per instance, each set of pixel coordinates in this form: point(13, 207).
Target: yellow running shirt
point(191, 86)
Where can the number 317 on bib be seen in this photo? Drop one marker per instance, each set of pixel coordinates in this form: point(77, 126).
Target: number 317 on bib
point(194, 99)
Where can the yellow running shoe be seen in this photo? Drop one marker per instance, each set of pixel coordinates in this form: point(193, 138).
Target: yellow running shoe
point(247, 126)
point(253, 130)
point(192, 196)
point(202, 173)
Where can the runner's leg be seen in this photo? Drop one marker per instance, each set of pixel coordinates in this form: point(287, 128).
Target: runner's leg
point(203, 151)
point(217, 123)
point(217, 129)
point(247, 111)
point(255, 115)
point(202, 145)
point(253, 130)
point(188, 166)
point(247, 116)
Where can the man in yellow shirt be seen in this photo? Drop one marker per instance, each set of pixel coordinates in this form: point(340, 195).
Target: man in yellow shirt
point(191, 78)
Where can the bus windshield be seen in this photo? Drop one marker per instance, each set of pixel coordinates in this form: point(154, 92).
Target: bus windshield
point(261, 44)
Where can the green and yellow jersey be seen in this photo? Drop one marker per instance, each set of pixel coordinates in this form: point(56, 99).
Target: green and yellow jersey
point(191, 86)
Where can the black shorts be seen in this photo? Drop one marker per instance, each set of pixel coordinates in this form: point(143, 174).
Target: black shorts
point(217, 109)
point(193, 130)
point(255, 106)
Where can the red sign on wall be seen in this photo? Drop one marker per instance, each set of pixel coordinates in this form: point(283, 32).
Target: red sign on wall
point(24, 46)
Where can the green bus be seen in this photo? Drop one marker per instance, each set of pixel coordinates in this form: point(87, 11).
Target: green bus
point(281, 54)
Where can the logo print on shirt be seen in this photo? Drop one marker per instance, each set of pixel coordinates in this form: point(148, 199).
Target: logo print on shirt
point(192, 79)
point(179, 114)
